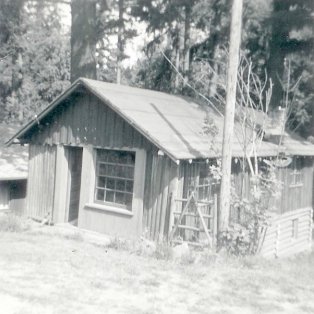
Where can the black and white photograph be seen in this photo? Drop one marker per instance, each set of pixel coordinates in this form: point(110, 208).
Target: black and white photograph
point(156, 156)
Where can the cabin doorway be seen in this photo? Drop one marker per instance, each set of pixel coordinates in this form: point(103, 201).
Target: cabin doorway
point(74, 183)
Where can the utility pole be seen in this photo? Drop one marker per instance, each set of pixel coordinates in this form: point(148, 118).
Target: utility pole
point(233, 62)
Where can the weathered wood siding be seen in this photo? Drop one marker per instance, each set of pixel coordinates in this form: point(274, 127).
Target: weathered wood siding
point(13, 195)
point(160, 191)
point(280, 238)
point(299, 195)
point(292, 196)
point(84, 119)
point(41, 181)
point(86, 122)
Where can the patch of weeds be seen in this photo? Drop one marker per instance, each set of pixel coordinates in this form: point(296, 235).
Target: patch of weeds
point(77, 236)
point(188, 258)
point(248, 263)
point(145, 247)
point(13, 223)
point(118, 244)
point(208, 257)
point(163, 251)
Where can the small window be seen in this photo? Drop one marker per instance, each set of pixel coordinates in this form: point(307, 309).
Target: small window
point(205, 183)
point(115, 177)
point(295, 226)
point(296, 178)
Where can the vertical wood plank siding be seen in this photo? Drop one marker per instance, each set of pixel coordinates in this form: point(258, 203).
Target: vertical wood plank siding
point(41, 181)
point(160, 172)
point(292, 197)
point(85, 120)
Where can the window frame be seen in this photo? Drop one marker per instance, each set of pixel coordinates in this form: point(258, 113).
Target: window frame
point(296, 175)
point(295, 228)
point(114, 178)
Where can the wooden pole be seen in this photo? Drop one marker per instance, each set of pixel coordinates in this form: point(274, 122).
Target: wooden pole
point(235, 40)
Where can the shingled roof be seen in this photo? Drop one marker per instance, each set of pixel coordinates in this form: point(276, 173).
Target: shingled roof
point(173, 123)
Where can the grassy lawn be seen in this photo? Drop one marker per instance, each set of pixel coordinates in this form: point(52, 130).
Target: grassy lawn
point(47, 272)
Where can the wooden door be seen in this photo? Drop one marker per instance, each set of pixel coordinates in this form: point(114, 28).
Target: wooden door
point(75, 170)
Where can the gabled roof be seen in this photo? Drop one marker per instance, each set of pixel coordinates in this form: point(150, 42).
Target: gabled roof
point(13, 159)
point(175, 124)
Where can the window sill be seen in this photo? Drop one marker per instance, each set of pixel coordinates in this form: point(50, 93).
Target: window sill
point(110, 209)
point(297, 185)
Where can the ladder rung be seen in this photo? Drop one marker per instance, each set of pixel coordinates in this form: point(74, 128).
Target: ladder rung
point(193, 215)
point(189, 228)
point(193, 228)
point(198, 202)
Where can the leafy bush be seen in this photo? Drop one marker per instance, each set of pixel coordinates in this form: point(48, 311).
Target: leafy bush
point(245, 231)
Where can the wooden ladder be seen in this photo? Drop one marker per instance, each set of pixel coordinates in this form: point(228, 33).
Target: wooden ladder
point(210, 234)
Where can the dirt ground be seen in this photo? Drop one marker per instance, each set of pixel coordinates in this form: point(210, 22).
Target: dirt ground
point(47, 272)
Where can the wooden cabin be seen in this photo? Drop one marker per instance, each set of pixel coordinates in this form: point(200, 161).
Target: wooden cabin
point(13, 172)
point(122, 161)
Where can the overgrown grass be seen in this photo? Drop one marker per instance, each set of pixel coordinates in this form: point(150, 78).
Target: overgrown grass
point(163, 250)
point(13, 223)
point(44, 273)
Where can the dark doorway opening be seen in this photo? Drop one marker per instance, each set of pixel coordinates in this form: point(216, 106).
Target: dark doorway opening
point(18, 196)
point(74, 186)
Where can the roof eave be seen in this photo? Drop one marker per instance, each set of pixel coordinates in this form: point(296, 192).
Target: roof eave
point(16, 137)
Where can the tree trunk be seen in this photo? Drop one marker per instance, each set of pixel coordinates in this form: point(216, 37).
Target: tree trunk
point(275, 64)
point(120, 41)
point(187, 42)
point(17, 62)
point(83, 39)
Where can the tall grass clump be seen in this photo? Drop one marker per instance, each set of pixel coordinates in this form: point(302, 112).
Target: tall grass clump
point(12, 223)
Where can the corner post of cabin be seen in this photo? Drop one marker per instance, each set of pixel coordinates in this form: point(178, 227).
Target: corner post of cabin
point(311, 229)
point(87, 181)
point(174, 185)
point(60, 190)
point(215, 221)
point(139, 186)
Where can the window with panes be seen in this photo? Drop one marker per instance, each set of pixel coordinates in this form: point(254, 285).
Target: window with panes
point(115, 177)
point(296, 177)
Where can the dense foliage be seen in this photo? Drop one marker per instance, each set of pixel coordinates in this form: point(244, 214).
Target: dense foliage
point(34, 58)
point(277, 35)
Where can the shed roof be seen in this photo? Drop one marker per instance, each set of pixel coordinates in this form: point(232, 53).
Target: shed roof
point(13, 159)
point(175, 124)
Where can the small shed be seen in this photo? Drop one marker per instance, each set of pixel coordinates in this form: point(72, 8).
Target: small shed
point(13, 172)
point(123, 160)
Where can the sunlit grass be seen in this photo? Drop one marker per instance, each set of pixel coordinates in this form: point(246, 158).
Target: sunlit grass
point(46, 271)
